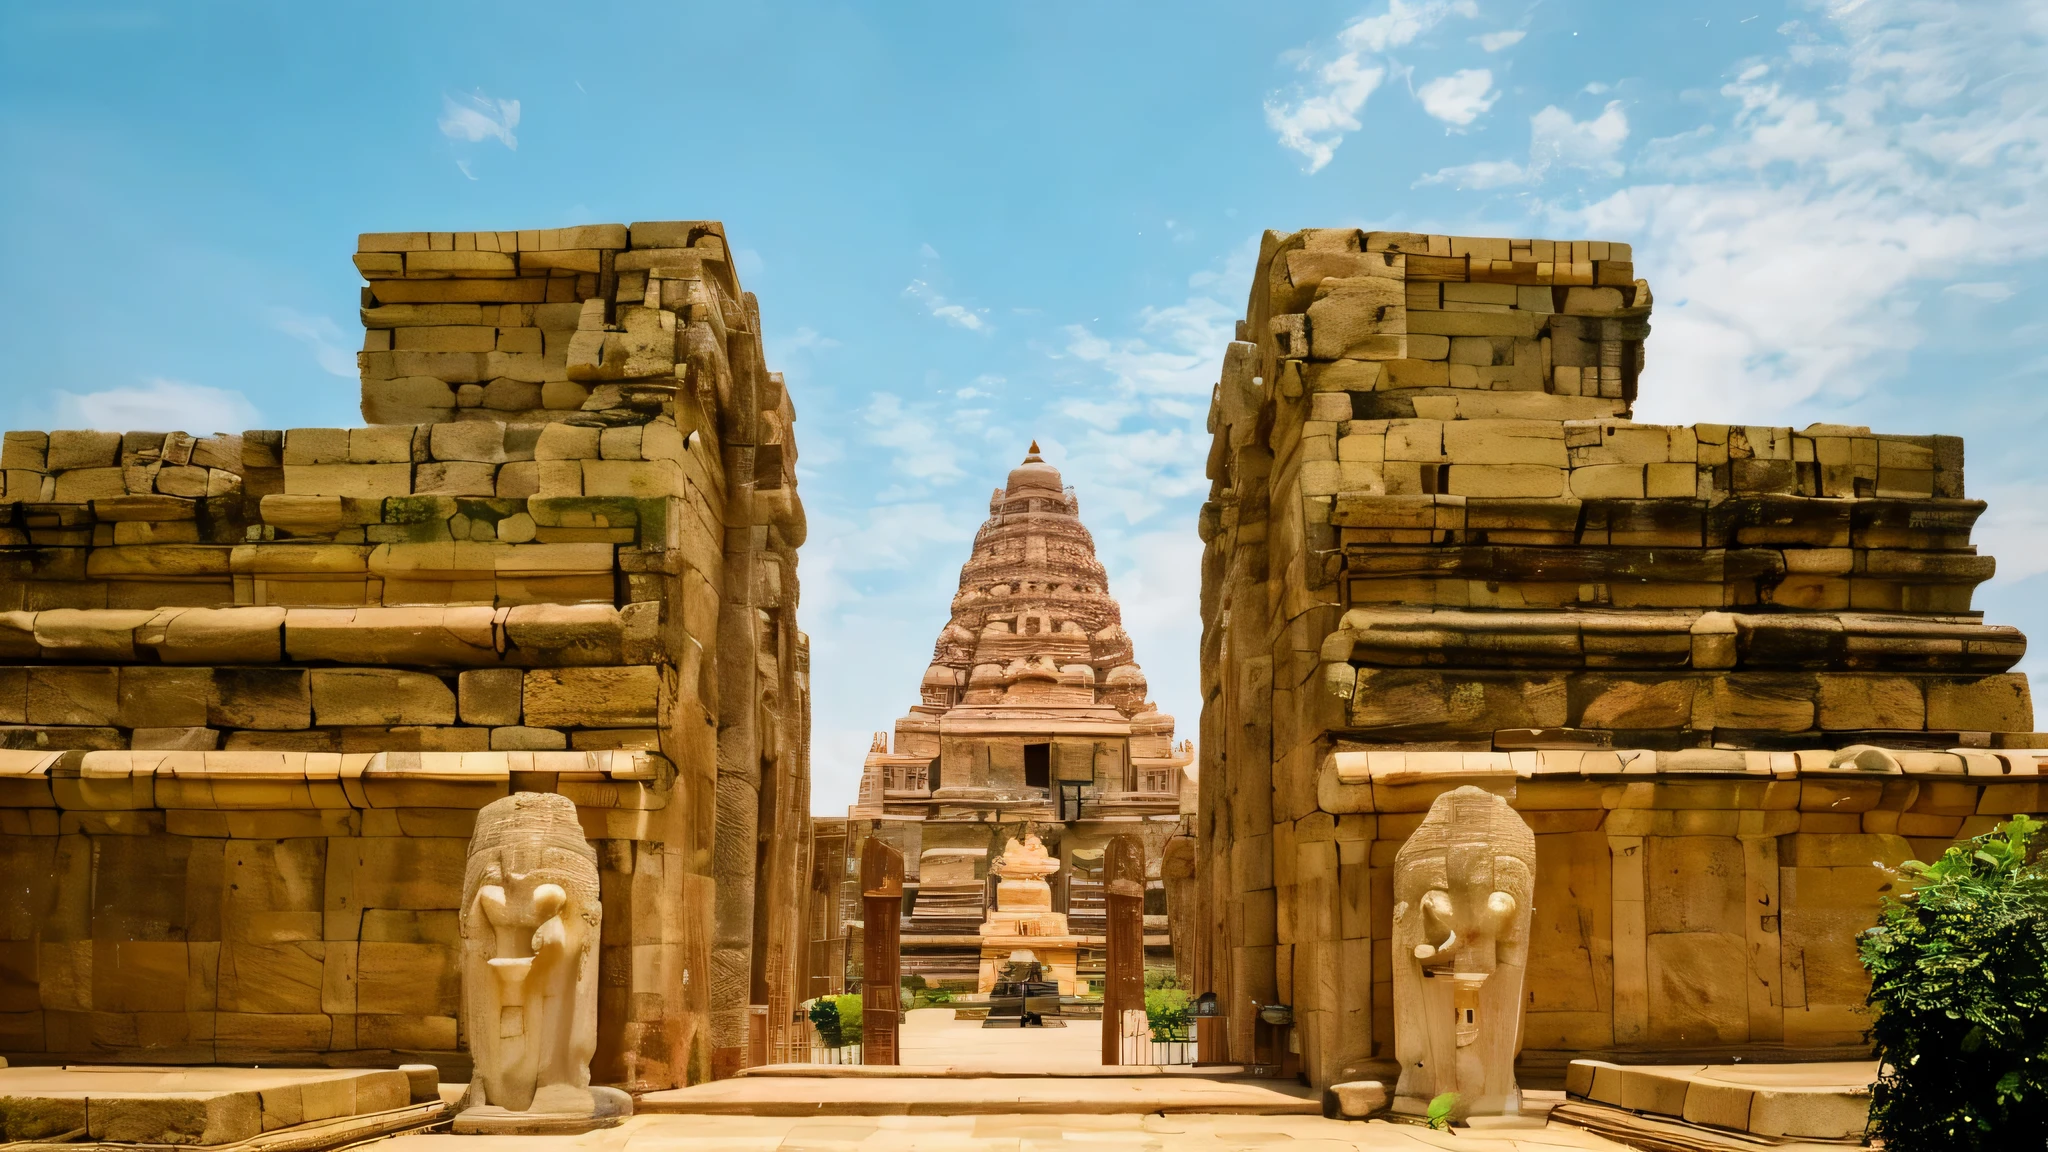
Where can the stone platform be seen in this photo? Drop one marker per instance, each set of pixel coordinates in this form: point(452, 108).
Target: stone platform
point(279, 1110)
point(1686, 1106)
point(928, 1095)
point(1012, 1133)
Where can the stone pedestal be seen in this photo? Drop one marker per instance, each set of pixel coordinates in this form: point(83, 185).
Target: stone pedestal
point(1023, 919)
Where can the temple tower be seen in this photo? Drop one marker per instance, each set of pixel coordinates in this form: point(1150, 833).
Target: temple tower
point(1032, 717)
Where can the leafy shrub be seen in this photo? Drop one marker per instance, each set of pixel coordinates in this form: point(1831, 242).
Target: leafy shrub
point(1166, 1013)
point(848, 1006)
point(825, 1018)
point(1441, 1108)
point(1959, 977)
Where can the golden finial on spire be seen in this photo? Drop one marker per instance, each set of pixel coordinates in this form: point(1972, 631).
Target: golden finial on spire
point(1032, 457)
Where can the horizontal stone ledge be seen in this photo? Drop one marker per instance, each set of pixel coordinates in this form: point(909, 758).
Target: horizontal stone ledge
point(131, 780)
point(528, 635)
point(1672, 638)
point(1850, 779)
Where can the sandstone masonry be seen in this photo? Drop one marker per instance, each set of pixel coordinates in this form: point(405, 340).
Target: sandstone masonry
point(254, 687)
point(1721, 669)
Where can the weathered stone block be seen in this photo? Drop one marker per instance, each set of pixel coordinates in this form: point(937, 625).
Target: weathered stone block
point(82, 449)
point(592, 697)
point(491, 696)
point(379, 696)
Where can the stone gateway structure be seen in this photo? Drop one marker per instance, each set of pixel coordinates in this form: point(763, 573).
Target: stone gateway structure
point(1729, 671)
point(256, 687)
point(1033, 722)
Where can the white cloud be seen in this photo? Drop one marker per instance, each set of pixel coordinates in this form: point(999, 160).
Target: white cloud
point(1401, 23)
point(158, 405)
point(1867, 167)
point(924, 449)
point(981, 386)
point(322, 335)
point(959, 316)
point(1495, 41)
point(1324, 108)
point(1991, 292)
point(1461, 97)
point(1555, 141)
point(476, 117)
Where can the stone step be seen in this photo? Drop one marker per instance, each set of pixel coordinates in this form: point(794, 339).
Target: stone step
point(927, 1095)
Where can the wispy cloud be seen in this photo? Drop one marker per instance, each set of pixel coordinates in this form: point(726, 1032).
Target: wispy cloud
point(920, 448)
point(1556, 140)
point(1317, 114)
point(1896, 147)
point(1991, 292)
point(322, 335)
point(1495, 41)
point(158, 405)
point(1460, 98)
point(476, 117)
point(958, 315)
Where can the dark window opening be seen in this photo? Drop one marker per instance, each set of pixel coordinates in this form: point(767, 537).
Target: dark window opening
point(931, 775)
point(1038, 765)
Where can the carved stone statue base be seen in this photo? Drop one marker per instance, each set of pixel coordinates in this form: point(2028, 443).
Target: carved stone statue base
point(1060, 956)
point(605, 1108)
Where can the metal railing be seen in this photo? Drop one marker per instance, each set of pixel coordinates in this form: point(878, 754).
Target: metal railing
point(1180, 1051)
point(844, 1054)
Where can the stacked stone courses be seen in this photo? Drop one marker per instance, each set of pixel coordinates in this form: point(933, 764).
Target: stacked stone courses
point(254, 687)
point(1721, 669)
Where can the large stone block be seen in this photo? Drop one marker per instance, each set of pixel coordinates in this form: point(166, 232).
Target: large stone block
point(379, 696)
point(626, 697)
point(491, 696)
point(266, 698)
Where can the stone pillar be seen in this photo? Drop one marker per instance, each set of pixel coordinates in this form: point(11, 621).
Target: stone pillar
point(1631, 950)
point(1123, 988)
point(881, 990)
point(734, 854)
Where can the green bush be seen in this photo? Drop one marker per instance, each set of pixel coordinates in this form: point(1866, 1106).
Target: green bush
point(1959, 978)
point(824, 1016)
point(1166, 1012)
point(848, 1006)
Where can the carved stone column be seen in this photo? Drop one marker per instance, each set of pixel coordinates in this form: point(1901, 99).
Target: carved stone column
point(881, 990)
point(1124, 1033)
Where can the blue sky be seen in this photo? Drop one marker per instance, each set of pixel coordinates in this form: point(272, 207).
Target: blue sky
point(970, 225)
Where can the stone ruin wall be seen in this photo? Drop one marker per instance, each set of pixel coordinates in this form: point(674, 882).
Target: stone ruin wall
point(1438, 551)
point(254, 687)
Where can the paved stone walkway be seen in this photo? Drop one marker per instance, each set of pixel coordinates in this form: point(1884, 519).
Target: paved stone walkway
point(1010, 1134)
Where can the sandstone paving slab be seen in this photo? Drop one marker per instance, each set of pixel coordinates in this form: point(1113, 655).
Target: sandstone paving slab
point(1827, 1101)
point(977, 1095)
point(1013, 1133)
point(211, 1106)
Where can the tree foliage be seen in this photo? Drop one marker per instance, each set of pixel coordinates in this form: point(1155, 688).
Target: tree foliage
point(1166, 1013)
point(1959, 978)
